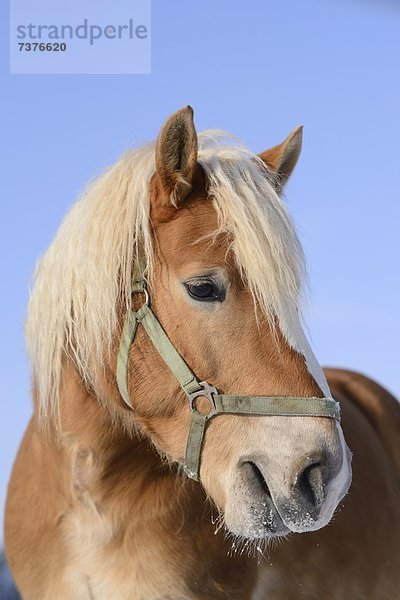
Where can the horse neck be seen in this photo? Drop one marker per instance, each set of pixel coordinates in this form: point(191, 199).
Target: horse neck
point(111, 455)
point(155, 513)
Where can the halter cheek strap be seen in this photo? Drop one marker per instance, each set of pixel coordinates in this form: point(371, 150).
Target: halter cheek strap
point(289, 406)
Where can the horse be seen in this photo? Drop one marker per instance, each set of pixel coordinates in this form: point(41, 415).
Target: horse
point(182, 426)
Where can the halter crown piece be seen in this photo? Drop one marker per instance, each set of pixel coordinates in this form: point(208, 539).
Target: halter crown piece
point(289, 406)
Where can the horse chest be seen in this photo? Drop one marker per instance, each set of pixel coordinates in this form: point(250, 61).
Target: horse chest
point(105, 565)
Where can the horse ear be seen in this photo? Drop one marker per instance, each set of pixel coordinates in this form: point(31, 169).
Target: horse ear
point(176, 155)
point(282, 159)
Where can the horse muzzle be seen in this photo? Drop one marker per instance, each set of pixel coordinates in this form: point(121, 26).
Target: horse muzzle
point(273, 500)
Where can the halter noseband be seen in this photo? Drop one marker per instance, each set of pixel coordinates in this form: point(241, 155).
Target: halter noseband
point(287, 406)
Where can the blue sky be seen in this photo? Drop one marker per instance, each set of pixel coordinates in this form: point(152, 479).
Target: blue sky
point(256, 69)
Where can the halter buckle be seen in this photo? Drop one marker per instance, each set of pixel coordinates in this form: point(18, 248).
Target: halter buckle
point(207, 391)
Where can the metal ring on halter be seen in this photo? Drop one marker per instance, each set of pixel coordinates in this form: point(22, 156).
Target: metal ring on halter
point(146, 295)
point(207, 391)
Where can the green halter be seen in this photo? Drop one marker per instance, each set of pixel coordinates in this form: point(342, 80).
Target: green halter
point(220, 403)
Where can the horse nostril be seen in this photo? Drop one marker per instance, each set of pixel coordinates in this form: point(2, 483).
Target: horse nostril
point(311, 484)
point(255, 478)
point(260, 478)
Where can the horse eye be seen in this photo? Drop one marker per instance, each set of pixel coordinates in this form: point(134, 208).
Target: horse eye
point(203, 291)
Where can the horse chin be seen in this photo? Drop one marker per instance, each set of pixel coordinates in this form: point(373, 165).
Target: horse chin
point(262, 521)
point(256, 528)
point(253, 516)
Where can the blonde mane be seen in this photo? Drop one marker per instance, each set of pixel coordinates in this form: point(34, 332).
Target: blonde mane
point(105, 240)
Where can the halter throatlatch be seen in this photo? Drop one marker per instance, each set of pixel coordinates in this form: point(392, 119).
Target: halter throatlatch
point(282, 406)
